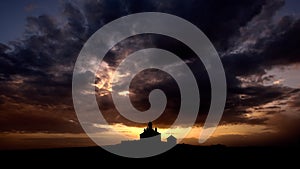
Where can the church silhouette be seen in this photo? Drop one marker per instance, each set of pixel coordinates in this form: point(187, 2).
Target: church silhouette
point(149, 132)
point(150, 136)
point(148, 145)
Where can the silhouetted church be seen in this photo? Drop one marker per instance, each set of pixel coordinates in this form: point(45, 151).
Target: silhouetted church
point(148, 137)
point(149, 132)
point(149, 144)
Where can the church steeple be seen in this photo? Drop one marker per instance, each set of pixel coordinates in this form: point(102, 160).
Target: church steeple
point(149, 131)
point(150, 125)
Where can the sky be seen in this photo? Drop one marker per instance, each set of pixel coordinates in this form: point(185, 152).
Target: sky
point(257, 41)
point(14, 14)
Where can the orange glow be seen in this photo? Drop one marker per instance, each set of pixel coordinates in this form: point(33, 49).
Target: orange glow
point(53, 140)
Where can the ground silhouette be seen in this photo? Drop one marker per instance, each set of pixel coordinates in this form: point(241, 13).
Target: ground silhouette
point(287, 156)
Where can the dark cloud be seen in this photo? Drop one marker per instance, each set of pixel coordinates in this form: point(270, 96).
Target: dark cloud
point(37, 70)
point(145, 81)
point(282, 48)
point(217, 19)
point(271, 44)
point(141, 86)
point(278, 49)
point(255, 97)
point(3, 48)
point(261, 45)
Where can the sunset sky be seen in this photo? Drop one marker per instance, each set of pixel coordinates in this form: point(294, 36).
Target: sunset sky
point(257, 41)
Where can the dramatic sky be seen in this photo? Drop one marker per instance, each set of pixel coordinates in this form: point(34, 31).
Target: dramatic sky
point(257, 41)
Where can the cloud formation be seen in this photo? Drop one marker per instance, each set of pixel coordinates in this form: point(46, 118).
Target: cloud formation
point(36, 71)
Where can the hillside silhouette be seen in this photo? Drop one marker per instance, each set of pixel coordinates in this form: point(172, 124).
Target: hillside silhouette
point(181, 152)
point(213, 154)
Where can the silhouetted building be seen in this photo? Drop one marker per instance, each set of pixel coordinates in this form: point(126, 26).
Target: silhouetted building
point(171, 140)
point(150, 132)
point(148, 144)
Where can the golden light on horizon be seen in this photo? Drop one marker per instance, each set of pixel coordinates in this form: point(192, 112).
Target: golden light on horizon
point(222, 130)
point(37, 140)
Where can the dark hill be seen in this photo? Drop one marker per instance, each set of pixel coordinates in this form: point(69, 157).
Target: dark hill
point(217, 154)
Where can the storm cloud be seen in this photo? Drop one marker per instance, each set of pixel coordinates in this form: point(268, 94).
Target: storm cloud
point(36, 71)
